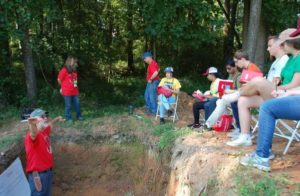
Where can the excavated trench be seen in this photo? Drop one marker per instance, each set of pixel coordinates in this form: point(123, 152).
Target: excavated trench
point(103, 167)
point(119, 155)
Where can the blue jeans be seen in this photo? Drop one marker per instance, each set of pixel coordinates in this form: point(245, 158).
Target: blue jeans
point(150, 96)
point(269, 112)
point(46, 180)
point(235, 112)
point(165, 104)
point(210, 106)
point(68, 106)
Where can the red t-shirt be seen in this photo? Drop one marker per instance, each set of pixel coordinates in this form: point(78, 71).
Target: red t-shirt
point(67, 82)
point(152, 67)
point(38, 152)
point(253, 67)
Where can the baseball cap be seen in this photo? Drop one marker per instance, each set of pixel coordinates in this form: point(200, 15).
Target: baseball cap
point(169, 69)
point(210, 70)
point(147, 54)
point(38, 113)
point(286, 35)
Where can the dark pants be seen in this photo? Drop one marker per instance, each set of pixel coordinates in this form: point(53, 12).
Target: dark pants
point(208, 106)
point(235, 112)
point(46, 180)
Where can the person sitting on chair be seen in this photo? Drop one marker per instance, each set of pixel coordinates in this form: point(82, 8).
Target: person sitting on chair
point(261, 88)
point(285, 106)
point(211, 96)
point(173, 85)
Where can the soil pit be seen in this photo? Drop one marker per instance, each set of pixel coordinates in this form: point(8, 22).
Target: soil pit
point(107, 169)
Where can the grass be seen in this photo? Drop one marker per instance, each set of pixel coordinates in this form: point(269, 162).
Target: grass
point(8, 140)
point(251, 182)
point(168, 134)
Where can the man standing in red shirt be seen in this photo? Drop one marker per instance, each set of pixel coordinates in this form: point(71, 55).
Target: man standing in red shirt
point(39, 153)
point(153, 81)
point(67, 79)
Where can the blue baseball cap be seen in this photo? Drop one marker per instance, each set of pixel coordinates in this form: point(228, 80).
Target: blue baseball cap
point(169, 69)
point(147, 54)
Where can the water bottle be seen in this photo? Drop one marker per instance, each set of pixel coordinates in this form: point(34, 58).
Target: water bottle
point(130, 109)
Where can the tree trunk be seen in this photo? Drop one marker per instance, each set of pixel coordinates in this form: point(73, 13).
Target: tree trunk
point(246, 22)
point(109, 45)
point(255, 14)
point(230, 9)
point(29, 68)
point(129, 38)
point(261, 46)
point(5, 54)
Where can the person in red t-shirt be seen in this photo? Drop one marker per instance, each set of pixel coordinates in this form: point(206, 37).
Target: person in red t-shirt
point(67, 79)
point(152, 79)
point(39, 153)
point(241, 59)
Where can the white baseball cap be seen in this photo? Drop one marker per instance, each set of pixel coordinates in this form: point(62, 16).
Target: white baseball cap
point(210, 70)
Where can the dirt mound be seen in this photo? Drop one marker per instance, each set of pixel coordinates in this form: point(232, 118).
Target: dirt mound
point(202, 163)
point(185, 109)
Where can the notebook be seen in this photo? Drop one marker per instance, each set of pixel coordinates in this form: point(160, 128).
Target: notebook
point(224, 85)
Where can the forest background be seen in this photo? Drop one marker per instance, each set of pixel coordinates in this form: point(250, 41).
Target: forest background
point(110, 36)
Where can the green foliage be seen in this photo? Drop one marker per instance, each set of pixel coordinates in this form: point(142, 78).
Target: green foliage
point(168, 134)
point(190, 85)
point(9, 113)
point(280, 15)
point(185, 34)
point(8, 140)
point(252, 182)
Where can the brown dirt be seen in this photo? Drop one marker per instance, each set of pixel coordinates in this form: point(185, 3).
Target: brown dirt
point(106, 170)
point(198, 160)
point(201, 159)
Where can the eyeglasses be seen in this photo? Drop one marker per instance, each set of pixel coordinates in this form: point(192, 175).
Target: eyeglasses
point(228, 68)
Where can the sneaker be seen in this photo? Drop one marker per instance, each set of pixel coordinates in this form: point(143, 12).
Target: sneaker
point(190, 125)
point(229, 98)
point(80, 119)
point(196, 126)
point(162, 121)
point(240, 141)
point(169, 112)
point(234, 137)
point(234, 133)
point(256, 161)
point(271, 155)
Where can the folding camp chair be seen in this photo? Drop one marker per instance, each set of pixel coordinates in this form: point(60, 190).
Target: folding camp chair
point(174, 116)
point(294, 135)
point(290, 134)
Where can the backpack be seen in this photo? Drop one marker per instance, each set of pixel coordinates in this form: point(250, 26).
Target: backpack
point(224, 124)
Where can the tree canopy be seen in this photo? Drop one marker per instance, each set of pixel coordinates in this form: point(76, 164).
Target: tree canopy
point(109, 37)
